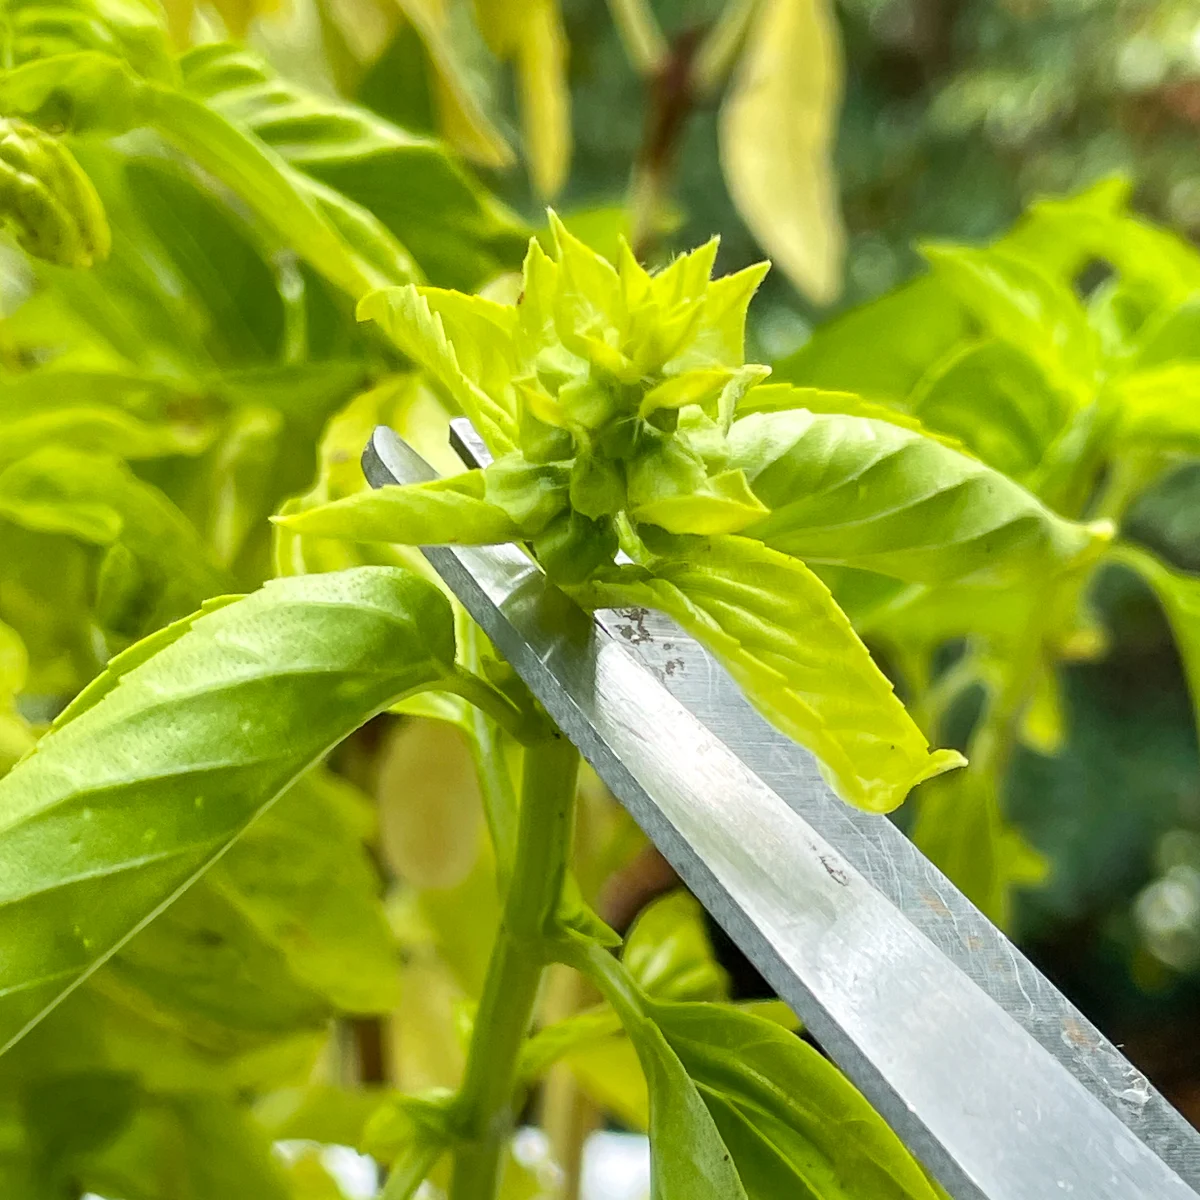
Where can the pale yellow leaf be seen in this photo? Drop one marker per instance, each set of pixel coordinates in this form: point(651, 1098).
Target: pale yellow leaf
point(777, 131)
point(458, 87)
point(430, 813)
point(545, 97)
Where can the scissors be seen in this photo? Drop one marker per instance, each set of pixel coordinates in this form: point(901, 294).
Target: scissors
point(991, 1077)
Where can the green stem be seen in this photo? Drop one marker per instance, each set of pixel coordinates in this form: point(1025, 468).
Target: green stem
point(722, 46)
point(640, 34)
point(527, 725)
point(486, 1105)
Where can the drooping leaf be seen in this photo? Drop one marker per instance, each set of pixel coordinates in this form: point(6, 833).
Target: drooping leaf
point(793, 1123)
point(688, 1159)
point(458, 233)
point(130, 801)
point(777, 130)
point(868, 494)
point(447, 36)
point(775, 627)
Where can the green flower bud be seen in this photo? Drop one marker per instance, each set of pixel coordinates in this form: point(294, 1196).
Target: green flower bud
point(47, 198)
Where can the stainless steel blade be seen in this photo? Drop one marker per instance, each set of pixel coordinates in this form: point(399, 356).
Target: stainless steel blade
point(987, 1072)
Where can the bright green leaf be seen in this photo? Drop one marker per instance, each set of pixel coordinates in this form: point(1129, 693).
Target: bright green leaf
point(668, 952)
point(126, 804)
point(792, 1121)
point(869, 494)
point(1016, 301)
point(995, 400)
point(777, 630)
point(416, 514)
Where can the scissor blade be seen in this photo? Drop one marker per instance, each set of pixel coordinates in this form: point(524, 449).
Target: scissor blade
point(977, 1096)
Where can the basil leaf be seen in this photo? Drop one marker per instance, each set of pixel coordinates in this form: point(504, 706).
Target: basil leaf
point(406, 316)
point(1159, 407)
point(867, 494)
point(668, 952)
point(15, 735)
point(125, 804)
point(412, 514)
point(777, 630)
point(996, 400)
point(907, 331)
point(1019, 303)
point(1179, 595)
point(960, 825)
point(689, 1161)
point(793, 1122)
point(412, 189)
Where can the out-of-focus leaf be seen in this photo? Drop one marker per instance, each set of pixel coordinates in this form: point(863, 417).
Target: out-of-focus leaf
point(1179, 595)
point(98, 500)
point(189, 1147)
point(446, 34)
point(867, 494)
point(46, 595)
point(301, 877)
point(908, 330)
point(241, 478)
point(776, 628)
point(430, 811)
point(961, 827)
point(793, 1123)
point(777, 129)
point(545, 97)
point(15, 736)
point(1159, 408)
point(1016, 301)
point(159, 767)
point(89, 428)
point(996, 401)
point(668, 952)
point(459, 235)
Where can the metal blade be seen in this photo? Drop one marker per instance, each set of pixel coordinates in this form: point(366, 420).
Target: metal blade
point(989, 1075)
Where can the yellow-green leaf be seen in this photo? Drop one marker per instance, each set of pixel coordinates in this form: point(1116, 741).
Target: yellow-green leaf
point(777, 131)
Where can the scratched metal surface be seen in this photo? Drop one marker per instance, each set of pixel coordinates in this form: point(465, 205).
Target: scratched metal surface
point(932, 1013)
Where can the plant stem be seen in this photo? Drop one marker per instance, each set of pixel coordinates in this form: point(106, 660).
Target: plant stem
point(486, 1101)
point(639, 31)
point(718, 54)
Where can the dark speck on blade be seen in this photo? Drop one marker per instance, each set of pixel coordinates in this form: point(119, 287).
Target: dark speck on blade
point(636, 632)
point(834, 871)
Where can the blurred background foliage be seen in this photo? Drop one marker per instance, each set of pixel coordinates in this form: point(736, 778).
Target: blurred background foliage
point(236, 363)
